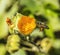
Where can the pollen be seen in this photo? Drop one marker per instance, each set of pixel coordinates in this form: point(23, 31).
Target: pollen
point(26, 25)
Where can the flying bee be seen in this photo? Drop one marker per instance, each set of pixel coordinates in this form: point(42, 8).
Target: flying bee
point(42, 26)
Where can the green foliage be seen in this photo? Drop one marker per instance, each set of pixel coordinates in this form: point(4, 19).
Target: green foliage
point(3, 28)
point(13, 43)
point(2, 49)
point(48, 9)
point(20, 52)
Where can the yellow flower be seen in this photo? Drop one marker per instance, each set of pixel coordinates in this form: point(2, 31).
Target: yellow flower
point(13, 43)
point(44, 45)
point(26, 25)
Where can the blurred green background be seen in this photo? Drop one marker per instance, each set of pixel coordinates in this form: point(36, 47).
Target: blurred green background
point(47, 11)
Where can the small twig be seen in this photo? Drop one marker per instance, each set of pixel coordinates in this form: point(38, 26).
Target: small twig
point(28, 43)
point(33, 47)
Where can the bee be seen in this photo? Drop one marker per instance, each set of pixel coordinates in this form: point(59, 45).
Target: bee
point(42, 25)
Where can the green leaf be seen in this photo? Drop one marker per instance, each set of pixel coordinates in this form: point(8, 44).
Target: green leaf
point(3, 28)
point(2, 49)
point(56, 44)
point(14, 20)
point(30, 5)
point(20, 52)
point(36, 33)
